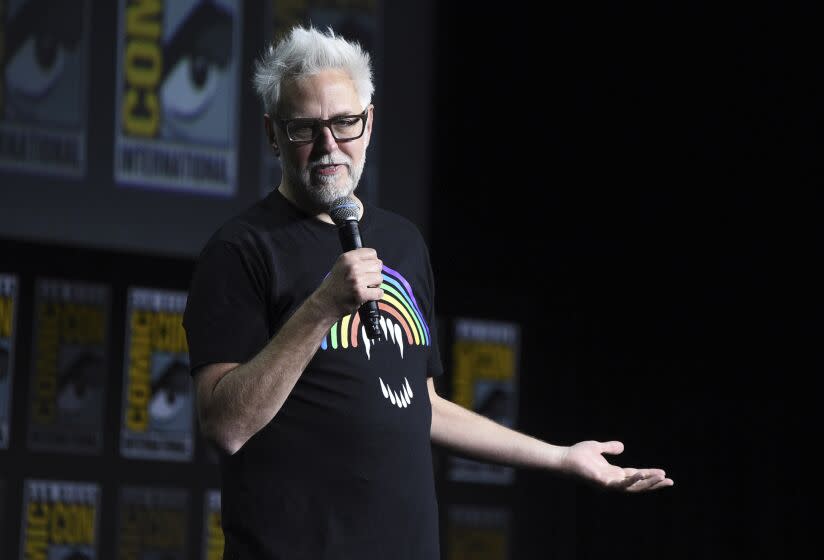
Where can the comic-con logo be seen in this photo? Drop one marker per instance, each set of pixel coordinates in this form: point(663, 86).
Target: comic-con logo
point(177, 90)
point(43, 57)
point(174, 64)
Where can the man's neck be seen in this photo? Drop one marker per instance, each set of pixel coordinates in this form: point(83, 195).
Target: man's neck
point(312, 209)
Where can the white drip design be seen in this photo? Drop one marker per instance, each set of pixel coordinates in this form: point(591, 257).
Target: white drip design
point(392, 333)
point(401, 398)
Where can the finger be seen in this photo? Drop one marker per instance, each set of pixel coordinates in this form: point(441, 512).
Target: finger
point(372, 294)
point(612, 447)
point(628, 481)
point(655, 472)
point(665, 483)
point(373, 279)
point(365, 253)
point(646, 474)
point(645, 484)
point(650, 483)
point(654, 479)
point(637, 482)
point(368, 264)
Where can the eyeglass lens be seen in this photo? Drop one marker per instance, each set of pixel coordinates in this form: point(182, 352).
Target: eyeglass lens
point(343, 128)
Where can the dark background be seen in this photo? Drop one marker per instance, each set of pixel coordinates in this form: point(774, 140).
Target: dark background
point(635, 186)
point(628, 183)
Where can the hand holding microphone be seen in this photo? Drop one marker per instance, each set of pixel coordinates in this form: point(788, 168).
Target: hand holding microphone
point(344, 212)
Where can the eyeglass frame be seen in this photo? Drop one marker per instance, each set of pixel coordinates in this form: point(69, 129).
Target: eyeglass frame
point(324, 123)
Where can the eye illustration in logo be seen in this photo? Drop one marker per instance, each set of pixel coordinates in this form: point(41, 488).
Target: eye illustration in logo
point(402, 321)
point(40, 37)
point(77, 384)
point(196, 58)
point(170, 392)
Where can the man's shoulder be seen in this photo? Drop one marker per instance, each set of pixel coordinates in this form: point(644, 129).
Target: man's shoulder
point(400, 225)
point(246, 226)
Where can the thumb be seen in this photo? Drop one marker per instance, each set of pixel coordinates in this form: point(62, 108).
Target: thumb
point(612, 447)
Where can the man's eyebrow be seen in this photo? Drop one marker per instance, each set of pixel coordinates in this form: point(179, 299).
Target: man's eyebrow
point(337, 114)
point(346, 114)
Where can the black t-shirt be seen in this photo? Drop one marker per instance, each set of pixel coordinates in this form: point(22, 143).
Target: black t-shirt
point(344, 470)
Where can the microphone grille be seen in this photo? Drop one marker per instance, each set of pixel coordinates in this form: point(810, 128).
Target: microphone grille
point(343, 210)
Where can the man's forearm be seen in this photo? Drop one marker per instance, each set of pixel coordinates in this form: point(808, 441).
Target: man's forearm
point(246, 398)
point(471, 434)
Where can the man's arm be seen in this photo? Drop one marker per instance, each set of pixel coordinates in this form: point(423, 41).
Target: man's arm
point(474, 435)
point(235, 401)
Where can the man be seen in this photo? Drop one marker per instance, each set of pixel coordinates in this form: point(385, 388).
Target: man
point(326, 433)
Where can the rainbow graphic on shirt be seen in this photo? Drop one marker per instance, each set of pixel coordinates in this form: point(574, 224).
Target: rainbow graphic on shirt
point(401, 320)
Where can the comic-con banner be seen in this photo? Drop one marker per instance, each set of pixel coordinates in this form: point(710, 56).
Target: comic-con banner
point(477, 533)
point(157, 418)
point(59, 520)
point(178, 92)
point(8, 314)
point(69, 366)
point(484, 379)
point(44, 57)
point(152, 523)
point(355, 20)
point(212, 531)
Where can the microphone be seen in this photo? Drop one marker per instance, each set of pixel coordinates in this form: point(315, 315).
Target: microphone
point(344, 212)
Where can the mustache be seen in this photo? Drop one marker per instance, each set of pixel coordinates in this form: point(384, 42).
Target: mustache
point(327, 159)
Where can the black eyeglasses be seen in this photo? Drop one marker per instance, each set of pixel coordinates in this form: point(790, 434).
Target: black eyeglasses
point(344, 127)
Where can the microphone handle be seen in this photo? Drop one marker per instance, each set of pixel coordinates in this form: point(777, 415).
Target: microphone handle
point(349, 234)
point(350, 239)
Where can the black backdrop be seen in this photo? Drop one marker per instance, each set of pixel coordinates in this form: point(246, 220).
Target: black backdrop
point(627, 183)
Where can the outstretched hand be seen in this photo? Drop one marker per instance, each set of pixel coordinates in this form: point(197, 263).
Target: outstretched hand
point(586, 460)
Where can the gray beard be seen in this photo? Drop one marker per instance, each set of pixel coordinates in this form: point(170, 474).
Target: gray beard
point(323, 192)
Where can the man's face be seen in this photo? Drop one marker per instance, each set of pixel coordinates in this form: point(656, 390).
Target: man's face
point(325, 169)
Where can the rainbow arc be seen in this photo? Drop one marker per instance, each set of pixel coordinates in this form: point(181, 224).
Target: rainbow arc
point(401, 319)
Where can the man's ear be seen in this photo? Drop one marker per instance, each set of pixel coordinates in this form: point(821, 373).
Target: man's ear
point(270, 133)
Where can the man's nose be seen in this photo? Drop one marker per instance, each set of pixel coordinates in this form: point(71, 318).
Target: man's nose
point(326, 141)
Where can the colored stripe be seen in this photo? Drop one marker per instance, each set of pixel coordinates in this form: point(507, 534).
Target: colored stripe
point(353, 332)
point(411, 295)
point(398, 301)
point(414, 319)
point(344, 340)
point(389, 299)
point(401, 289)
point(394, 312)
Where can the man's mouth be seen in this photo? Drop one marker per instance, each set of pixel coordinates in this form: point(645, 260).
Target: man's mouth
point(328, 169)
